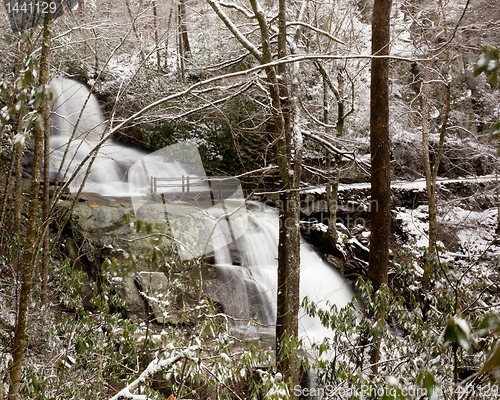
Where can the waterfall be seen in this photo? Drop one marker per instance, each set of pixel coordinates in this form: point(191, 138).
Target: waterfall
point(77, 122)
point(319, 281)
point(246, 288)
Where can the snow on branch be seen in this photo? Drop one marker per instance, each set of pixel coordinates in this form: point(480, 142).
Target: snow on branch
point(247, 72)
point(328, 145)
point(243, 10)
point(313, 28)
point(234, 30)
point(156, 366)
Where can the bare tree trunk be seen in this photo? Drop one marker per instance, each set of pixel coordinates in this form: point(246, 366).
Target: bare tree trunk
point(290, 173)
point(134, 28)
point(338, 93)
point(44, 270)
point(326, 105)
point(96, 53)
point(431, 189)
point(431, 181)
point(285, 330)
point(293, 226)
point(281, 286)
point(331, 187)
point(16, 164)
point(168, 35)
point(340, 103)
point(431, 173)
point(380, 147)
point(31, 231)
point(380, 154)
point(180, 47)
point(3, 207)
point(18, 187)
point(157, 40)
point(332, 192)
point(183, 28)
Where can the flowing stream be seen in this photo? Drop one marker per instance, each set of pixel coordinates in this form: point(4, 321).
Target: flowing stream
point(248, 285)
point(78, 125)
point(258, 250)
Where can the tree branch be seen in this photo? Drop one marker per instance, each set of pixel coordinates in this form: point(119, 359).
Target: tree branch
point(313, 28)
point(191, 88)
point(235, 31)
point(242, 10)
point(153, 368)
point(329, 146)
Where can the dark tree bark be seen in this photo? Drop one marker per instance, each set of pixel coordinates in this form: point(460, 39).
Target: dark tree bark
point(431, 172)
point(380, 155)
point(29, 257)
point(281, 286)
point(340, 104)
point(332, 197)
point(282, 319)
point(44, 269)
point(18, 187)
point(46, 206)
point(282, 108)
point(380, 146)
point(157, 40)
point(183, 29)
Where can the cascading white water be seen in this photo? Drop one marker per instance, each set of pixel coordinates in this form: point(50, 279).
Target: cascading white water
point(77, 121)
point(319, 281)
point(248, 290)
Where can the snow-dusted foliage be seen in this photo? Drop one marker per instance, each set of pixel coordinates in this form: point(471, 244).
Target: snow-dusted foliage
point(443, 341)
point(99, 354)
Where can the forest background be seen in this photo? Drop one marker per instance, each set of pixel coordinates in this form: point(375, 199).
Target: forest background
point(271, 86)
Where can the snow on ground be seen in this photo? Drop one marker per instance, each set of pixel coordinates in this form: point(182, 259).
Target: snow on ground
point(416, 185)
point(474, 229)
point(469, 233)
point(415, 223)
point(123, 66)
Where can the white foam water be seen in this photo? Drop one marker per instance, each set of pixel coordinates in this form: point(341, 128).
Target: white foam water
point(78, 124)
point(319, 281)
point(248, 291)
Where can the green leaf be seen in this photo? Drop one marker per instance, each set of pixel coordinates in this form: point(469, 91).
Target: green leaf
point(488, 63)
point(24, 37)
point(32, 63)
point(28, 78)
point(27, 125)
point(429, 383)
point(489, 325)
point(80, 346)
point(457, 332)
point(38, 96)
point(492, 363)
point(39, 123)
point(496, 131)
point(19, 108)
point(4, 88)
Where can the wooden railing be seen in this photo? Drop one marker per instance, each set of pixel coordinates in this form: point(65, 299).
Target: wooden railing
point(214, 188)
point(217, 188)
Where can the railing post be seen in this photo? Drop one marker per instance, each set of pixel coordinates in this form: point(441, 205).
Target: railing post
point(187, 179)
